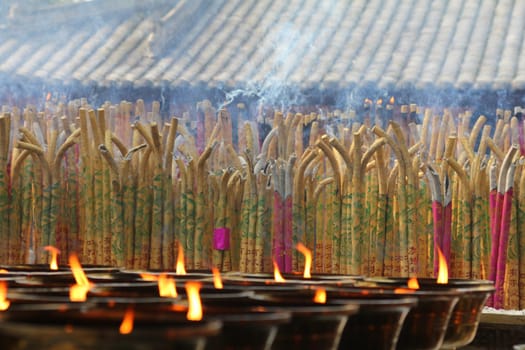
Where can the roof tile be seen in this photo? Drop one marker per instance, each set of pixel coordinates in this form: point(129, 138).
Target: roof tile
point(256, 43)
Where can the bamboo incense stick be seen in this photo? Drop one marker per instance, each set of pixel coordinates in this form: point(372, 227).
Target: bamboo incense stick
point(221, 230)
point(201, 246)
point(521, 239)
point(289, 241)
point(263, 218)
point(278, 177)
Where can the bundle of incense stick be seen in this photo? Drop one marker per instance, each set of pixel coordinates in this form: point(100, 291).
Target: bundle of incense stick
point(372, 192)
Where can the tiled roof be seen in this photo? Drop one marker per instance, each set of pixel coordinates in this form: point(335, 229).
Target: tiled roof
point(390, 44)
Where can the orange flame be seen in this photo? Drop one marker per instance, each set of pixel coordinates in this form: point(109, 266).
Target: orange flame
point(413, 283)
point(277, 274)
point(320, 296)
point(443, 268)
point(3, 271)
point(149, 277)
point(307, 259)
point(194, 301)
point(392, 100)
point(78, 273)
point(379, 102)
point(180, 269)
point(4, 303)
point(217, 280)
point(78, 291)
point(167, 286)
point(126, 327)
point(403, 291)
point(53, 264)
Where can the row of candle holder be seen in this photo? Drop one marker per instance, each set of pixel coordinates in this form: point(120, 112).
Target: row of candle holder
point(124, 310)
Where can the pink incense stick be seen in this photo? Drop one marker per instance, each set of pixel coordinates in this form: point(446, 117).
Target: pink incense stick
point(493, 203)
point(504, 238)
point(497, 216)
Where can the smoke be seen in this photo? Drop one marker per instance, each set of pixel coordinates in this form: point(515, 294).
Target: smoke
point(271, 81)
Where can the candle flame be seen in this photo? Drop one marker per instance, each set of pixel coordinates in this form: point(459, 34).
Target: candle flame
point(126, 327)
point(53, 264)
point(78, 291)
point(307, 259)
point(149, 277)
point(180, 269)
point(403, 291)
point(320, 296)
point(277, 274)
point(167, 286)
point(194, 301)
point(76, 268)
point(217, 280)
point(4, 303)
point(379, 102)
point(413, 283)
point(443, 268)
point(392, 100)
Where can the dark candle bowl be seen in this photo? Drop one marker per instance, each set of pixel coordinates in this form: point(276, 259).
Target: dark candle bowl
point(244, 327)
point(465, 315)
point(464, 321)
point(83, 326)
point(427, 323)
point(378, 323)
point(313, 325)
